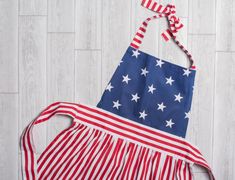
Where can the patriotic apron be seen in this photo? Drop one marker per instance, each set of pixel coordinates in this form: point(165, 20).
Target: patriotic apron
point(137, 129)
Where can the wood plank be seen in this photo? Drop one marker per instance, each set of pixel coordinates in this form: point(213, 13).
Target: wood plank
point(224, 122)
point(8, 46)
point(88, 77)
point(138, 15)
point(202, 17)
point(88, 24)
point(32, 7)
point(225, 26)
point(32, 74)
point(61, 15)
point(9, 136)
point(115, 35)
point(60, 77)
point(169, 50)
point(200, 130)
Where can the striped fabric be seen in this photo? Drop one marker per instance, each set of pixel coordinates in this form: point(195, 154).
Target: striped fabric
point(174, 26)
point(102, 145)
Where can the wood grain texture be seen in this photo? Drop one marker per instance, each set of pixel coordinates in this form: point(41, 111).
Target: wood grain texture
point(60, 15)
point(60, 77)
point(169, 50)
point(88, 24)
point(67, 50)
point(115, 35)
point(88, 76)
point(224, 122)
point(9, 136)
point(138, 15)
point(32, 74)
point(200, 131)
point(8, 46)
point(33, 7)
point(202, 17)
point(225, 26)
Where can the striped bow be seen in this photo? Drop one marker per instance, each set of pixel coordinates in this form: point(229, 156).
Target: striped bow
point(169, 11)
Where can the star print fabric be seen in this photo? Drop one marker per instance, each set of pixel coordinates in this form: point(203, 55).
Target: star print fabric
point(150, 91)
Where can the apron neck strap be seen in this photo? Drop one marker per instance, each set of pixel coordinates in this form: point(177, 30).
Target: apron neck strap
point(174, 26)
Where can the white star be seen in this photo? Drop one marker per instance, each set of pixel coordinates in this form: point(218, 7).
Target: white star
point(161, 107)
point(143, 114)
point(151, 88)
point(178, 97)
point(116, 104)
point(187, 115)
point(186, 72)
point(169, 80)
point(135, 97)
point(159, 63)
point(126, 79)
point(109, 87)
point(169, 123)
point(144, 72)
point(120, 62)
point(135, 53)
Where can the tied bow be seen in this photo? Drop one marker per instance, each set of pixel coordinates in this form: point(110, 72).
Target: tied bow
point(169, 12)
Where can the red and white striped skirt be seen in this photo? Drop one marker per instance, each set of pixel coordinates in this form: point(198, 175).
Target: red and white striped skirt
point(102, 145)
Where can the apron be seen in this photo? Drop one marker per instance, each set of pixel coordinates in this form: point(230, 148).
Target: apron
point(135, 132)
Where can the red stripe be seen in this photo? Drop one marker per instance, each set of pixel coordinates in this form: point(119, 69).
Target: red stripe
point(114, 156)
point(78, 157)
point(108, 122)
point(149, 2)
point(117, 161)
point(64, 140)
point(140, 35)
point(135, 169)
point(55, 141)
point(68, 158)
point(117, 147)
point(134, 46)
point(52, 158)
point(159, 8)
point(154, 5)
point(25, 154)
point(137, 40)
point(131, 153)
point(142, 29)
point(143, 2)
point(63, 155)
point(139, 127)
point(169, 167)
point(31, 153)
point(103, 157)
point(90, 154)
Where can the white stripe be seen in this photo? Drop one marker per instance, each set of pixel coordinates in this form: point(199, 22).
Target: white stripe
point(150, 164)
point(96, 154)
point(135, 135)
point(86, 154)
point(117, 158)
point(66, 155)
point(59, 153)
point(58, 140)
point(136, 155)
point(100, 153)
point(79, 148)
point(108, 158)
point(90, 139)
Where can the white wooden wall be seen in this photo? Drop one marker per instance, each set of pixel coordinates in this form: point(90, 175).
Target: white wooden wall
point(67, 50)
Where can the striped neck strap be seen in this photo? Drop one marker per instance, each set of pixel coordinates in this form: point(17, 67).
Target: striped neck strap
point(174, 26)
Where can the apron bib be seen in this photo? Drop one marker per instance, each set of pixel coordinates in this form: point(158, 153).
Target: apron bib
point(135, 132)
